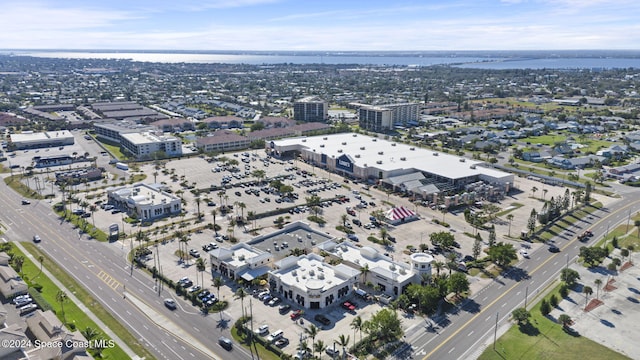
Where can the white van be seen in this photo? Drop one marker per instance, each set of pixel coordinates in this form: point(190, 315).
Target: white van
point(275, 336)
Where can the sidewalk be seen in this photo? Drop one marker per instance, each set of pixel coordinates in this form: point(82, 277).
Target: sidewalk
point(82, 307)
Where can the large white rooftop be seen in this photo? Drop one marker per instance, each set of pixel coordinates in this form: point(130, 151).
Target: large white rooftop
point(367, 151)
point(369, 257)
point(309, 272)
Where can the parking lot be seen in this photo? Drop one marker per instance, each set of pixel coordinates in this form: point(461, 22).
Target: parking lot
point(242, 191)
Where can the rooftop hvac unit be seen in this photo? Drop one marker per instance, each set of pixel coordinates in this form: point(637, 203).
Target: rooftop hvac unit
point(321, 145)
point(324, 138)
point(403, 158)
point(393, 144)
point(380, 152)
point(294, 273)
point(463, 160)
point(304, 140)
point(379, 162)
point(344, 143)
point(357, 155)
point(435, 154)
point(354, 135)
point(472, 167)
point(321, 276)
point(339, 150)
point(374, 139)
point(412, 148)
point(361, 147)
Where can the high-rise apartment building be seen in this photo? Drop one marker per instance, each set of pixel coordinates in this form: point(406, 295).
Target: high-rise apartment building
point(310, 109)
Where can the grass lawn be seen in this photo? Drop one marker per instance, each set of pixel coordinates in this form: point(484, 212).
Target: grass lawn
point(567, 220)
point(114, 150)
point(262, 351)
point(72, 312)
point(545, 339)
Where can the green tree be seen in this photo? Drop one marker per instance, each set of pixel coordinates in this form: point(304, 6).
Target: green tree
point(241, 293)
point(444, 239)
point(521, 315)
point(385, 325)
point(312, 331)
point(477, 247)
point(319, 347)
point(492, 236)
point(565, 320)
point(201, 267)
point(364, 271)
point(569, 276)
point(343, 340)
point(545, 309)
point(502, 254)
point(62, 298)
point(531, 223)
point(587, 192)
point(598, 283)
point(357, 324)
point(18, 261)
point(553, 300)
point(587, 291)
point(510, 218)
point(458, 283)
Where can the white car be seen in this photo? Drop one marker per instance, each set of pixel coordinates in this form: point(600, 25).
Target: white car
point(524, 253)
point(262, 330)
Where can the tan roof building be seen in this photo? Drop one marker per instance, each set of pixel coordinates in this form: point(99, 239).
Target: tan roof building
point(47, 328)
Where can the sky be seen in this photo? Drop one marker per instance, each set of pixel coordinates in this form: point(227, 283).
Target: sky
point(322, 25)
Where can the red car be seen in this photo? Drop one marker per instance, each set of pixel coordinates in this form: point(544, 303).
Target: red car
point(296, 314)
point(348, 306)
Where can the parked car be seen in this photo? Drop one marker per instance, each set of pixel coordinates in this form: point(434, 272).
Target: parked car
point(25, 202)
point(554, 249)
point(263, 329)
point(274, 301)
point(36, 239)
point(194, 253)
point(296, 314)
point(322, 319)
point(332, 352)
point(284, 308)
point(282, 342)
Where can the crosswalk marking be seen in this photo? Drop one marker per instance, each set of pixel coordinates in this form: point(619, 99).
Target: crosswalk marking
point(107, 279)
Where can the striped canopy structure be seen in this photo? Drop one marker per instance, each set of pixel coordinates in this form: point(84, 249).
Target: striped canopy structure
point(400, 214)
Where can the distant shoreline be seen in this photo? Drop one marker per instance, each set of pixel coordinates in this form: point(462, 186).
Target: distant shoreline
point(497, 60)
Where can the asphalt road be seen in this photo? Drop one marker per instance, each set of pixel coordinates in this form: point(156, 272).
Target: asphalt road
point(461, 335)
point(103, 270)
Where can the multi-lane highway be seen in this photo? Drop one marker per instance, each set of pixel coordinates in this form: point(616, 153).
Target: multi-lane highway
point(128, 294)
point(461, 335)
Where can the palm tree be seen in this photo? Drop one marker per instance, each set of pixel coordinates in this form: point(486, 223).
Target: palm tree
point(40, 260)
point(214, 213)
point(510, 218)
point(544, 193)
point(343, 219)
point(533, 191)
point(217, 283)
point(312, 331)
point(438, 265)
point(62, 297)
point(201, 265)
point(241, 293)
point(356, 324)
point(198, 201)
point(343, 340)
point(587, 291)
point(90, 333)
point(384, 234)
point(319, 347)
point(636, 223)
point(451, 264)
point(242, 206)
point(364, 271)
point(18, 261)
point(598, 282)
